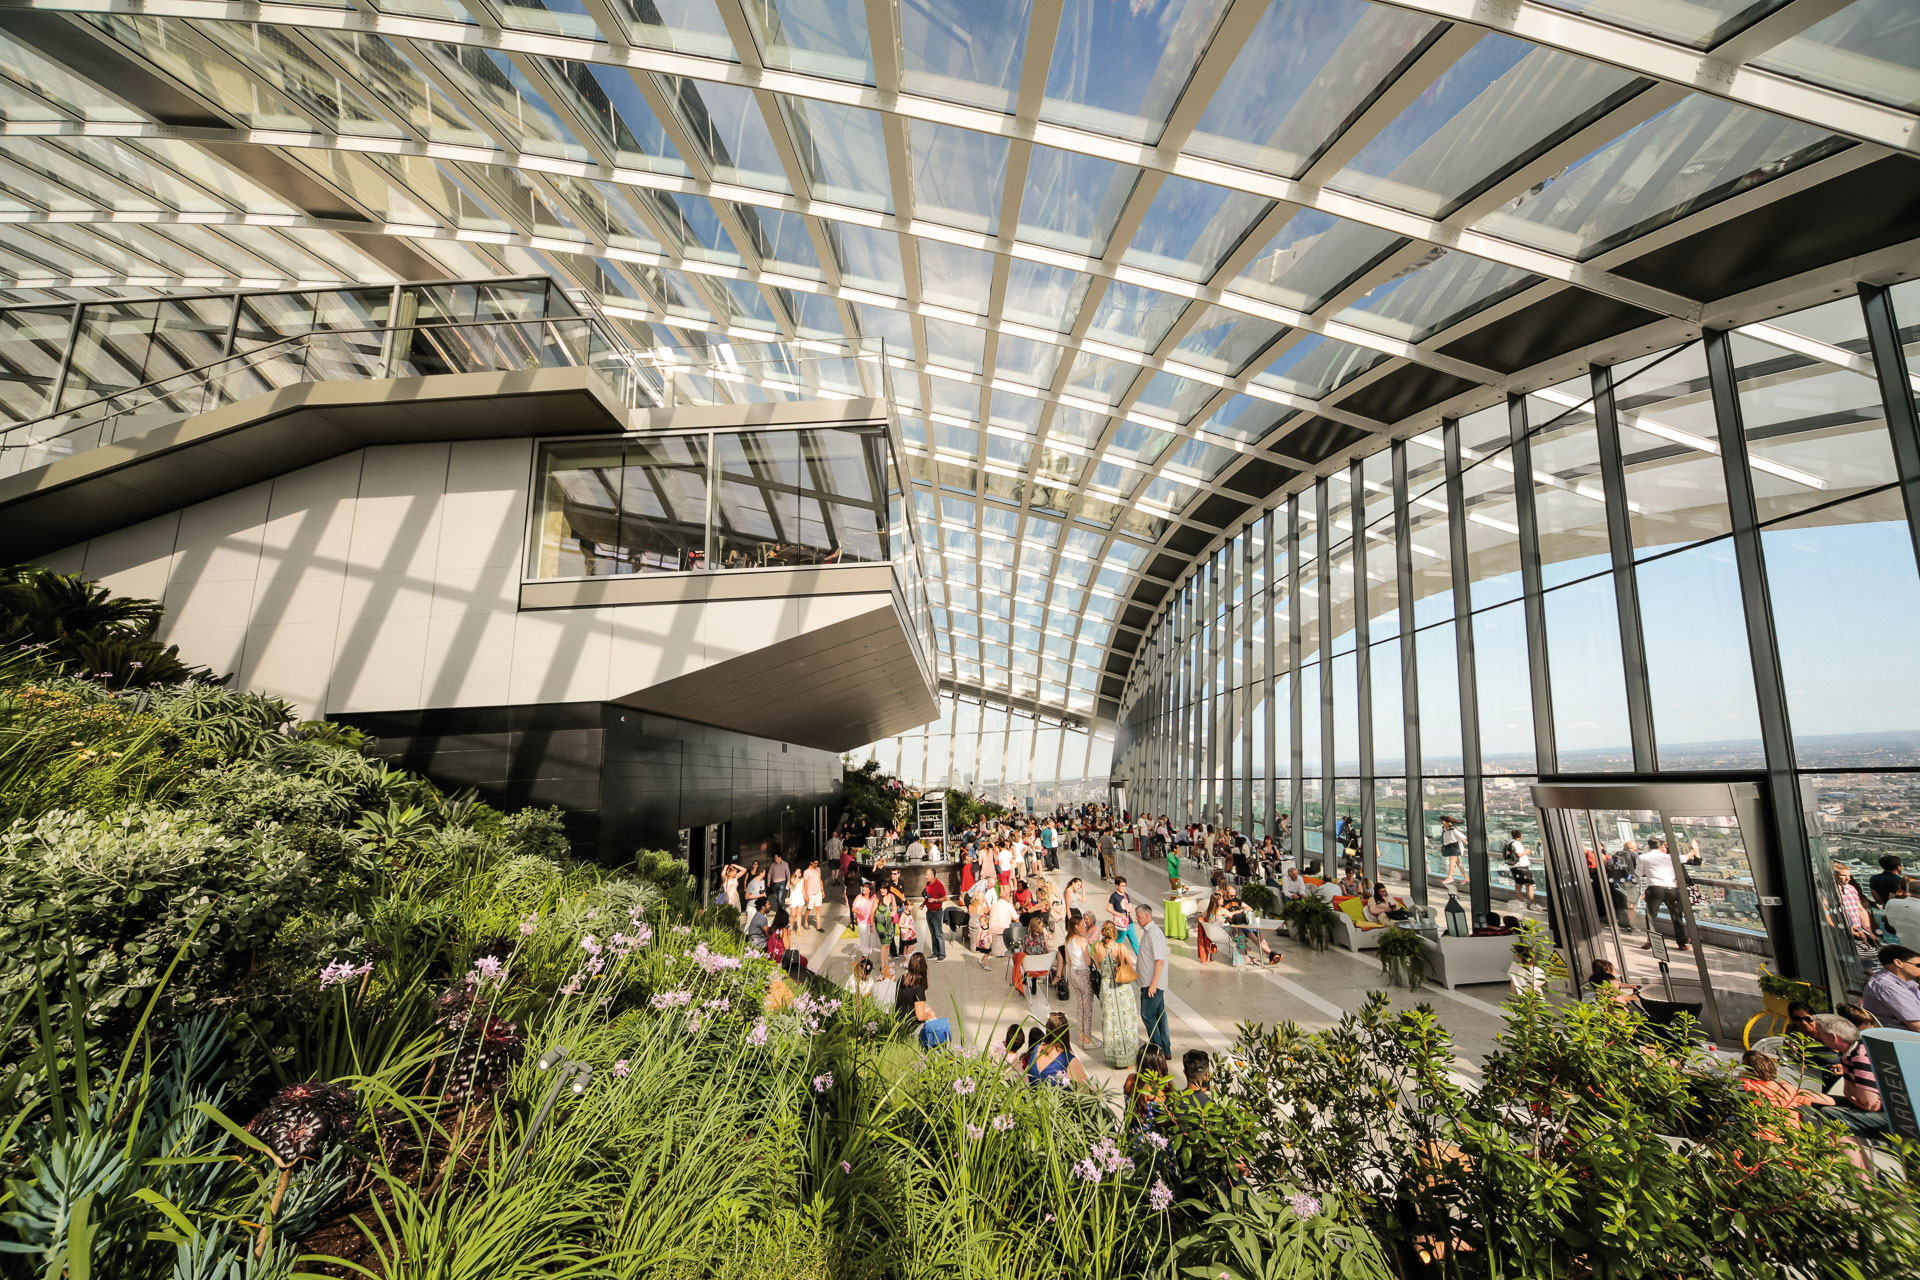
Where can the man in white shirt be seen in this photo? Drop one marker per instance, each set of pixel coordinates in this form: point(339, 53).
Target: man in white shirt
point(1656, 870)
point(916, 850)
point(1152, 968)
point(1001, 914)
point(1293, 886)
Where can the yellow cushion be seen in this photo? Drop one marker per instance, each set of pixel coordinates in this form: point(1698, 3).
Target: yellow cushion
point(1352, 906)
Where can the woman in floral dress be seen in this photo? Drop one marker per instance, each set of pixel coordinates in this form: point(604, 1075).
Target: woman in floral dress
point(1121, 1030)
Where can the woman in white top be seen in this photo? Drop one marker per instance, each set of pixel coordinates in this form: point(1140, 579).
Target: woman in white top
point(1080, 975)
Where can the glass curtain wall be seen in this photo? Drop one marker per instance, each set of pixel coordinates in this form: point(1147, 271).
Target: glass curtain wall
point(1019, 757)
point(1699, 562)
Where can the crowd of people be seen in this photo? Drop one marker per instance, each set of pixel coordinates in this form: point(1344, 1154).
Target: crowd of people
point(1048, 899)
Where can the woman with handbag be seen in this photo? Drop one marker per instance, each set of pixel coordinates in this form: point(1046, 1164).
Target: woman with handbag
point(1076, 962)
point(1121, 1030)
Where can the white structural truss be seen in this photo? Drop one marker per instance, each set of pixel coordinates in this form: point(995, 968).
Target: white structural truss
point(1137, 266)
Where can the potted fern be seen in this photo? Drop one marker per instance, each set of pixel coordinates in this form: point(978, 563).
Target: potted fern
point(1309, 920)
point(1403, 958)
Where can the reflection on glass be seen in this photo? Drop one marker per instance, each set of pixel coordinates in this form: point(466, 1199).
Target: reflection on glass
point(1501, 101)
point(1191, 227)
point(1588, 677)
point(1119, 68)
point(1440, 290)
point(1072, 200)
point(819, 37)
point(1676, 488)
point(1816, 432)
point(1501, 678)
point(1311, 258)
point(1700, 23)
point(1308, 68)
point(1867, 48)
point(966, 51)
point(958, 175)
point(1695, 153)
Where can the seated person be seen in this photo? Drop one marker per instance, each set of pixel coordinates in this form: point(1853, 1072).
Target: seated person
point(1293, 886)
point(1382, 909)
point(1603, 983)
point(1351, 885)
point(1239, 920)
point(1328, 890)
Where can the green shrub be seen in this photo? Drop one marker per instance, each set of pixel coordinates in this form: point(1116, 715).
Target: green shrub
point(94, 909)
point(537, 833)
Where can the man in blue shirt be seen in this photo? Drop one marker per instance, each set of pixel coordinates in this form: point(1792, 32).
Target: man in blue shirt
point(1892, 994)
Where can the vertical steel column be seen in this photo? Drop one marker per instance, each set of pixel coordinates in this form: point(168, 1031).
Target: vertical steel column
point(1800, 952)
point(1546, 752)
point(1247, 700)
point(1188, 703)
point(1472, 780)
point(59, 389)
point(1270, 725)
point(1363, 669)
point(1896, 395)
point(1626, 586)
point(1296, 757)
point(1329, 788)
point(1409, 677)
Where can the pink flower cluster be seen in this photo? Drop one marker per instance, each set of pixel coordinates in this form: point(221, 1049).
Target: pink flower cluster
point(1159, 1196)
point(672, 999)
point(757, 1036)
point(823, 1082)
point(1106, 1157)
point(341, 971)
point(713, 962)
point(964, 1086)
point(486, 969)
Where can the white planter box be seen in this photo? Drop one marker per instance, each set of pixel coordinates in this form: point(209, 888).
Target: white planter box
point(1455, 962)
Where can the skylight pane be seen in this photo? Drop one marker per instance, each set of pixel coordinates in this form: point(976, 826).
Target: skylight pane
point(842, 151)
point(1870, 48)
point(1488, 112)
point(1191, 227)
point(958, 175)
point(1132, 316)
point(1119, 68)
point(1700, 23)
point(684, 26)
point(1043, 296)
point(967, 51)
point(1309, 68)
point(1437, 293)
point(1225, 340)
point(1311, 258)
point(726, 126)
point(1694, 154)
point(818, 37)
point(1073, 200)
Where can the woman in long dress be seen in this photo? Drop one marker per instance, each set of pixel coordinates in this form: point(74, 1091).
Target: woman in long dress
point(1121, 1030)
point(1079, 961)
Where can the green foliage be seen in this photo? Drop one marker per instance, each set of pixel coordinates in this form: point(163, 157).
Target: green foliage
point(1260, 899)
point(1250, 1234)
point(1402, 956)
point(93, 910)
point(1310, 920)
point(965, 809)
point(81, 629)
point(870, 796)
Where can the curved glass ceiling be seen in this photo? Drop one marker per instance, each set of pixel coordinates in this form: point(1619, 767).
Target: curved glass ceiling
point(1116, 252)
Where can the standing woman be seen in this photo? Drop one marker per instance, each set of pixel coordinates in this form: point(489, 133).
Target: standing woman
point(1208, 914)
point(756, 881)
point(1120, 1026)
point(863, 908)
point(1074, 897)
point(813, 909)
point(1080, 975)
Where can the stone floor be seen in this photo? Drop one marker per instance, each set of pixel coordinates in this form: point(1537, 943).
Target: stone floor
point(1205, 1003)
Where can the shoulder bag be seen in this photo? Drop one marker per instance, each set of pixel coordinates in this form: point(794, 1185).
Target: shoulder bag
point(1062, 990)
point(1124, 972)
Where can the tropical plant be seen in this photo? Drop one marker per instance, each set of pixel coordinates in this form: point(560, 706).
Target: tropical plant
point(1403, 956)
point(1309, 918)
point(1258, 1234)
point(1260, 898)
point(871, 797)
point(84, 630)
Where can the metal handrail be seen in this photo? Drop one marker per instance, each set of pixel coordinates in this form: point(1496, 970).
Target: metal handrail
point(274, 348)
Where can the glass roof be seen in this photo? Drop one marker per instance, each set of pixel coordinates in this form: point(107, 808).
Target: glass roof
point(1112, 249)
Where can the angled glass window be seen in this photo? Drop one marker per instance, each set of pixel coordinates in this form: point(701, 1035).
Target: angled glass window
point(727, 127)
point(1502, 101)
point(553, 17)
point(693, 226)
point(396, 82)
point(1099, 378)
point(958, 175)
point(779, 239)
point(1072, 201)
point(501, 89)
point(1119, 68)
point(819, 37)
point(443, 10)
point(814, 314)
point(842, 152)
point(1043, 296)
point(1025, 361)
point(1225, 340)
point(1870, 48)
point(610, 100)
point(957, 346)
point(1309, 68)
point(1694, 154)
point(1315, 365)
point(951, 276)
point(1700, 23)
point(1191, 227)
point(1439, 291)
point(1134, 316)
point(869, 259)
point(685, 26)
point(1169, 396)
point(1245, 418)
point(59, 86)
point(967, 51)
point(1076, 426)
point(1311, 258)
point(276, 55)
